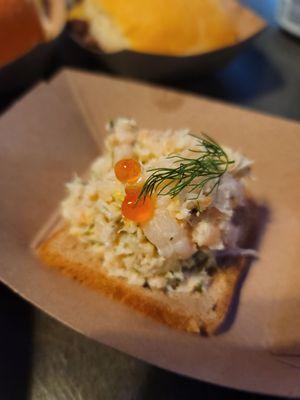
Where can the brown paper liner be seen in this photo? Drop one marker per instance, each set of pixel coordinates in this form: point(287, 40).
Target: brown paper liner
point(58, 129)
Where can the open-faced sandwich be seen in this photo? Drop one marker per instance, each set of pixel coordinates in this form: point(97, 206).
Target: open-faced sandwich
point(151, 222)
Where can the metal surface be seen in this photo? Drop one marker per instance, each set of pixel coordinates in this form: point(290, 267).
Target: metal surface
point(40, 358)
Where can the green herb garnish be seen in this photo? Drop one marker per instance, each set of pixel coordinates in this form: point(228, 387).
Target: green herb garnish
point(210, 166)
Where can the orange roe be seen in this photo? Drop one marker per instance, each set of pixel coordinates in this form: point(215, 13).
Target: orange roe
point(133, 189)
point(135, 209)
point(128, 170)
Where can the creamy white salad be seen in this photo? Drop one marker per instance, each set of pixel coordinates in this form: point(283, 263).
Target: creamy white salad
point(174, 250)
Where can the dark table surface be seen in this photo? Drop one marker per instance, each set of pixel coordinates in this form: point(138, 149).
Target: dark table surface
point(42, 359)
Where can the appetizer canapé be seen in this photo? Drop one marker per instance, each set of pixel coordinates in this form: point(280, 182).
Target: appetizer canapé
point(147, 225)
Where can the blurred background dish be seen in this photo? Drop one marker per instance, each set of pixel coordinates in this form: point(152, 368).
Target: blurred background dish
point(289, 16)
point(27, 23)
point(169, 27)
point(163, 40)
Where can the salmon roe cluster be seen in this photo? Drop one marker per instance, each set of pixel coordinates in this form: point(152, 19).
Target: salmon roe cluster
point(140, 210)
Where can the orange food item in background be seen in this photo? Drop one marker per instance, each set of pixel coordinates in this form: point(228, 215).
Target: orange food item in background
point(27, 23)
point(20, 29)
point(171, 27)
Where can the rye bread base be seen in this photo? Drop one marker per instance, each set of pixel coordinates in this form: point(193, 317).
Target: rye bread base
point(196, 312)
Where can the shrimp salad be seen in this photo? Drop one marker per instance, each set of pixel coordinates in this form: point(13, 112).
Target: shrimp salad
point(170, 245)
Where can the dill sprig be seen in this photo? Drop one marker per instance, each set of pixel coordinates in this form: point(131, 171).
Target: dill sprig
point(201, 175)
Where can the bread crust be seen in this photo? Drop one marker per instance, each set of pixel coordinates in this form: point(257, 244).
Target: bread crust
point(189, 312)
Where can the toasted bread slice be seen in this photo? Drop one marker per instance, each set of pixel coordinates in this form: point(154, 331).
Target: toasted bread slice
point(197, 312)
